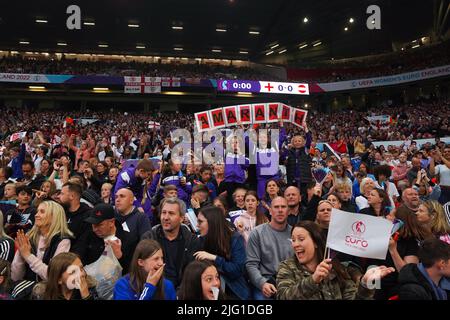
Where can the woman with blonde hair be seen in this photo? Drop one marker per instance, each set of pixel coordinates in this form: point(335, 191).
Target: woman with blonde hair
point(431, 214)
point(49, 236)
point(366, 186)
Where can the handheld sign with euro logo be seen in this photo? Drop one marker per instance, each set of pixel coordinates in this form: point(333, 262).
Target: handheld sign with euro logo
point(359, 234)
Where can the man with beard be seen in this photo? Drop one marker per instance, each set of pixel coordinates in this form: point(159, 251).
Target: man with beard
point(410, 199)
point(133, 178)
point(29, 177)
point(76, 211)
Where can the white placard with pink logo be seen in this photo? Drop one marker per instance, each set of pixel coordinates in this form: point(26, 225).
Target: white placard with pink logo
point(359, 234)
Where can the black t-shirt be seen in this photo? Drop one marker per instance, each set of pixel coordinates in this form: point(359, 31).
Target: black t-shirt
point(76, 223)
point(389, 284)
point(90, 247)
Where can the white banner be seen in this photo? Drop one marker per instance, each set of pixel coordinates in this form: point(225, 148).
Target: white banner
point(359, 234)
point(384, 81)
point(17, 135)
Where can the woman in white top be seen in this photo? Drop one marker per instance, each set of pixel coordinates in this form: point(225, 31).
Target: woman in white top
point(366, 185)
point(49, 236)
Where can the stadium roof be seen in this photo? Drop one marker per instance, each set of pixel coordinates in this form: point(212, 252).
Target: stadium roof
point(231, 29)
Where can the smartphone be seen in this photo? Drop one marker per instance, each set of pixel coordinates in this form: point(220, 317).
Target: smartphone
point(397, 225)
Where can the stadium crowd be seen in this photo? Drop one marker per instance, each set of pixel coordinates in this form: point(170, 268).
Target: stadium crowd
point(70, 66)
point(107, 211)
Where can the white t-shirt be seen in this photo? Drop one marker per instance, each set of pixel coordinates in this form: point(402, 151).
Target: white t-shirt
point(444, 174)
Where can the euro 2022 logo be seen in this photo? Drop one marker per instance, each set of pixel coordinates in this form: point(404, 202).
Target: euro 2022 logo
point(359, 227)
point(355, 239)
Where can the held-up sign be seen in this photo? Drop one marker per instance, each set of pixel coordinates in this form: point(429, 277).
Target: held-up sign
point(249, 114)
point(259, 113)
point(285, 112)
point(298, 117)
point(218, 120)
point(202, 121)
point(272, 112)
point(245, 113)
point(230, 115)
point(359, 234)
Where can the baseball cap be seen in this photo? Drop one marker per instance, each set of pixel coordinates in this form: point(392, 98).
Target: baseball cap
point(200, 187)
point(99, 213)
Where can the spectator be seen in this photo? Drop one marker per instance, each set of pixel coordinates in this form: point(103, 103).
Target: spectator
point(76, 211)
point(366, 187)
point(400, 252)
point(431, 215)
point(145, 280)
point(323, 216)
point(226, 249)
point(379, 204)
point(175, 239)
point(199, 198)
point(239, 203)
point(131, 218)
point(17, 159)
point(267, 246)
point(29, 178)
point(410, 198)
point(5, 280)
point(401, 169)
point(6, 244)
point(47, 191)
point(442, 171)
point(300, 277)
point(49, 236)
point(201, 281)
point(294, 198)
point(344, 193)
point(425, 281)
point(335, 201)
point(21, 217)
point(298, 162)
point(133, 179)
point(106, 194)
point(251, 217)
point(382, 174)
point(60, 274)
point(105, 231)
